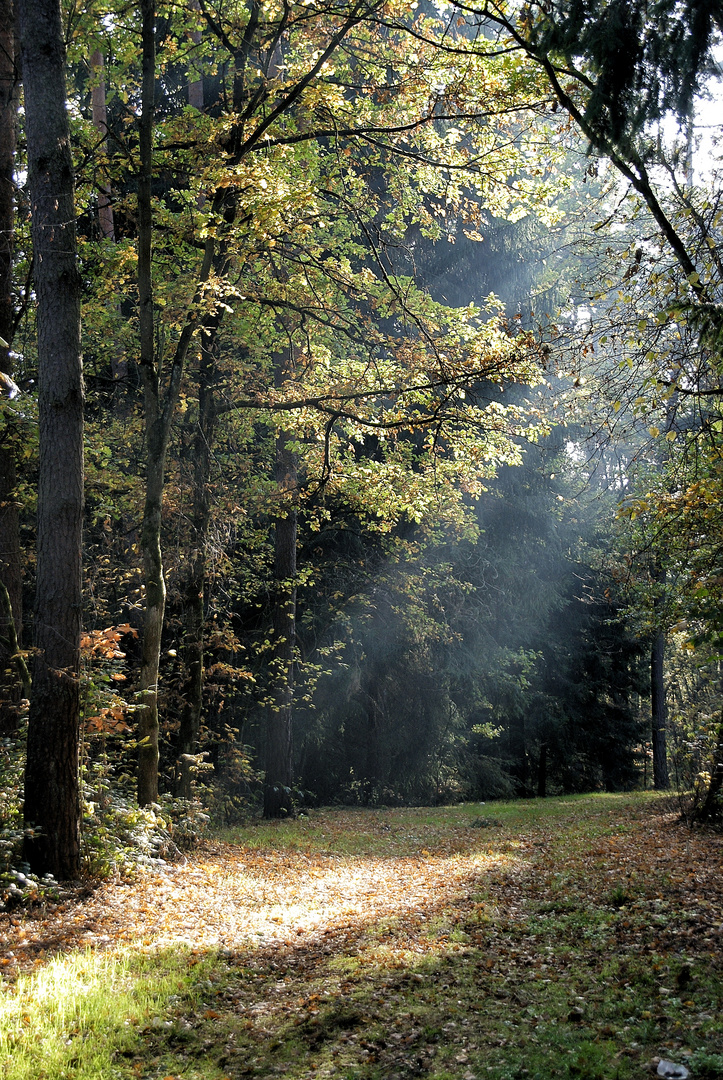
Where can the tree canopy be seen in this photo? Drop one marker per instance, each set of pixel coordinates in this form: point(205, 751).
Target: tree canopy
point(401, 337)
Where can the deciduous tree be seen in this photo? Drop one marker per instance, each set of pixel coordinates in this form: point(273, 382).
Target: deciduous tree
point(52, 798)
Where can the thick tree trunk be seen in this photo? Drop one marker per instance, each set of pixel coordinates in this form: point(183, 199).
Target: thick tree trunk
point(52, 797)
point(279, 778)
point(10, 562)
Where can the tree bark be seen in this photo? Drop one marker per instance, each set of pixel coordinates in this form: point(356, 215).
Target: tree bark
point(52, 790)
point(658, 705)
point(100, 123)
point(10, 559)
point(157, 429)
point(278, 801)
point(190, 727)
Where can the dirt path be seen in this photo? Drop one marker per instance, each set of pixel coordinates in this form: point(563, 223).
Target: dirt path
point(237, 898)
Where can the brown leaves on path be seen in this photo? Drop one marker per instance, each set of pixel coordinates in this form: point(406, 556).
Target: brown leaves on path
point(242, 898)
point(238, 899)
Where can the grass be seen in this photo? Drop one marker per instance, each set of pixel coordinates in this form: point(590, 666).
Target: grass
point(81, 1013)
point(579, 953)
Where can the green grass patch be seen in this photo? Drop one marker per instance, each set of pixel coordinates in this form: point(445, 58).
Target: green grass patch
point(91, 1015)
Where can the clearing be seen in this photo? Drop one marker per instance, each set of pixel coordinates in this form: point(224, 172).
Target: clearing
point(570, 937)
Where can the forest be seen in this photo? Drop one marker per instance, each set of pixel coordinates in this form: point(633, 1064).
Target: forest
point(362, 420)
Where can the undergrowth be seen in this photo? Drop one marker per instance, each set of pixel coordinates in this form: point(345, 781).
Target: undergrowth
point(117, 836)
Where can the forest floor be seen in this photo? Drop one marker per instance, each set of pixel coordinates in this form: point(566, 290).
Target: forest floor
point(575, 937)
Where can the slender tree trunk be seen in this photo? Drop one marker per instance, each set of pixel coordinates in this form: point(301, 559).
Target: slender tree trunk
point(658, 706)
point(157, 426)
point(372, 765)
point(517, 743)
point(160, 408)
point(52, 802)
point(190, 728)
point(10, 560)
point(100, 123)
point(279, 731)
point(195, 86)
point(16, 656)
point(189, 733)
point(710, 808)
point(542, 772)
point(155, 589)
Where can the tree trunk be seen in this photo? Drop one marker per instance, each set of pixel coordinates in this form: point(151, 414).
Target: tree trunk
point(52, 795)
point(658, 708)
point(542, 772)
point(190, 728)
point(100, 123)
point(8, 117)
point(189, 733)
point(661, 781)
point(278, 801)
point(372, 764)
point(710, 808)
point(157, 426)
point(159, 408)
point(195, 86)
point(17, 658)
point(10, 561)
point(155, 588)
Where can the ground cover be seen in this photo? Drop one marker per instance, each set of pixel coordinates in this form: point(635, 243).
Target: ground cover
point(575, 937)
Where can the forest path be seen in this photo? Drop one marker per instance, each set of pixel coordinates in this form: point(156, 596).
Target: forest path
point(401, 942)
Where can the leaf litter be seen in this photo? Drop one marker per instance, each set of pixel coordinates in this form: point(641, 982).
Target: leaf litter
point(576, 938)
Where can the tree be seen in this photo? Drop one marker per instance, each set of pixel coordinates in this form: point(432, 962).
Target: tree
point(52, 800)
point(10, 560)
point(618, 69)
point(271, 197)
point(276, 240)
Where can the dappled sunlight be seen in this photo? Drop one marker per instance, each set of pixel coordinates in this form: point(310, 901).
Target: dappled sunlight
point(543, 934)
point(284, 897)
point(338, 875)
point(239, 897)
